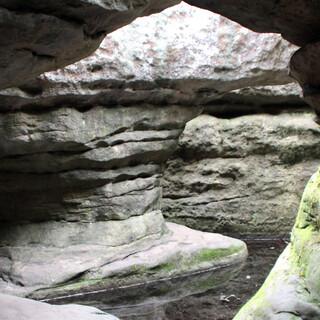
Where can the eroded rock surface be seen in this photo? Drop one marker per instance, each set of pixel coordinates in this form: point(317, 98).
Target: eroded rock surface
point(82, 148)
point(38, 37)
point(87, 182)
point(297, 22)
point(13, 308)
point(292, 289)
point(241, 175)
point(180, 252)
point(303, 67)
point(188, 56)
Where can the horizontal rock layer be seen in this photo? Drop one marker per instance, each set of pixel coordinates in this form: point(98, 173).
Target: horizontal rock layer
point(108, 256)
point(81, 185)
point(188, 56)
point(102, 164)
point(39, 37)
point(241, 175)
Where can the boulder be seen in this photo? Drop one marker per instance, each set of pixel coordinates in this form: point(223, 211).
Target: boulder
point(292, 289)
point(13, 308)
point(180, 252)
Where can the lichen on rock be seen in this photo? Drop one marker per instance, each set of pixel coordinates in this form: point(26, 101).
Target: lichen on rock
point(292, 289)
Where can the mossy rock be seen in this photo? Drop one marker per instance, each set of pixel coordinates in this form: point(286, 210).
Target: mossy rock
point(292, 290)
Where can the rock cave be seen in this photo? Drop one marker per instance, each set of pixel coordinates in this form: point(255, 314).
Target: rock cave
point(147, 147)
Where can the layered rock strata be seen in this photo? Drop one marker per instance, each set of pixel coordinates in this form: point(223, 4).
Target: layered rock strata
point(282, 17)
point(188, 57)
point(242, 175)
point(83, 147)
point(75, 192)
point(27, 52)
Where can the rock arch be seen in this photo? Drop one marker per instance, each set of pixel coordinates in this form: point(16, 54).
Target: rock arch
point(82, 25)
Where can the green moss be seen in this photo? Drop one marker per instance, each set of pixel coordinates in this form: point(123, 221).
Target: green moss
point(137, 269)
point(82, 284)
point(165, 267)
point(207, 255)
point(259, 306)
point(306, 233)
point(300, 258)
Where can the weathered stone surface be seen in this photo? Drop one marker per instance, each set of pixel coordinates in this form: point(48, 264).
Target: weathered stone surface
point(36, 256)
point(155, 300)
point(297, 21)
point(13, 308)
point(241, 175)
point(266, 99)
point(292, 289)
point(34, 35)
point(181, 251)
point(89, 189)
point(66, 153)
point(70, 258)
point(188, 56)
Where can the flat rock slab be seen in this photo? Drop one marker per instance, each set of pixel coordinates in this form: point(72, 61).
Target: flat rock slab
point(182, 251)
point(188, 56)
point(14, 308)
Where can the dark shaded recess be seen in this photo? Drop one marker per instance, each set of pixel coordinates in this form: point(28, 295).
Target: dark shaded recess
point(297, 21)
point(230, 111)
point(96, 19)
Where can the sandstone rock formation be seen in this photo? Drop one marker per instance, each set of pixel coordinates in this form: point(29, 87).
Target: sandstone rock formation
point(297, 22)
point(83, 147)
point(303, 67)
point(292, 289)
point(152, 300)
point(188, 56)
point(241, 175)
point(37, 37)
point(19, 308)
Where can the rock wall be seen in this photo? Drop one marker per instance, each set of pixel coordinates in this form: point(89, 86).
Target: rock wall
point(243, 175)
point(85, 181)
